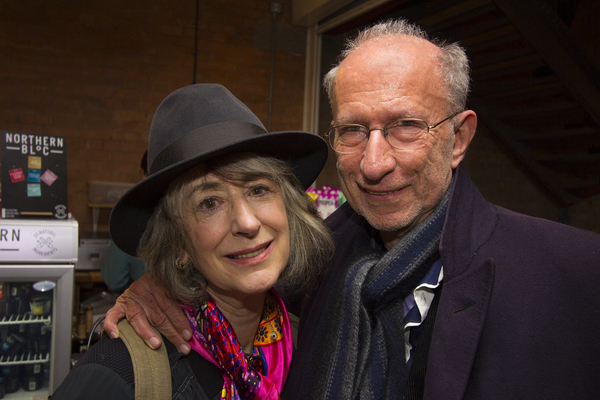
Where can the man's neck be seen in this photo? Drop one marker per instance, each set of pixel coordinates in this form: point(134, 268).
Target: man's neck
point(392, 238)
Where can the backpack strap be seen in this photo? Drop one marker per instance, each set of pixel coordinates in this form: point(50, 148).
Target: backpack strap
point(294, 322)
point(151, 368)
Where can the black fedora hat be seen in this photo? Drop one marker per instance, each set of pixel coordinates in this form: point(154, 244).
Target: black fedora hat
point(197, 123)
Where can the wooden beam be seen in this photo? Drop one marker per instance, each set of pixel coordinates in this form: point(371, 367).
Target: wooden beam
point(559, 134)
point(452, 12)
point(507, 135)
point(553, 41)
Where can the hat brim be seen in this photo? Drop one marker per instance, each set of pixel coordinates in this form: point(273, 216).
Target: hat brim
point(305, 152)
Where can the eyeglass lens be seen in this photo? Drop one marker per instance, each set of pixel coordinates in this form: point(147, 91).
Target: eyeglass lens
point(402, 134)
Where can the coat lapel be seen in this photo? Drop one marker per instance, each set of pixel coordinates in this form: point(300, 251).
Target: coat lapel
point(458, 326)
point(470, 223)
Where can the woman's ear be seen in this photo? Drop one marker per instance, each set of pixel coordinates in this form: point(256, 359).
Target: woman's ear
point(184, 256)
point(183, 261)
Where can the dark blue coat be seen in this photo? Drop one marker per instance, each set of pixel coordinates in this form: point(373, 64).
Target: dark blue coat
point(519, 314)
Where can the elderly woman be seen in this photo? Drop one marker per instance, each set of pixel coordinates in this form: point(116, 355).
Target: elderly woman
point(221, 218)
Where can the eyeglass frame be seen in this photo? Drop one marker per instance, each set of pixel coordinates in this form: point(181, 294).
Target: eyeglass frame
point(384, 130)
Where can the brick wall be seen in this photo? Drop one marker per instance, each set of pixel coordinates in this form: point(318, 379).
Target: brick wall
point(95, 71)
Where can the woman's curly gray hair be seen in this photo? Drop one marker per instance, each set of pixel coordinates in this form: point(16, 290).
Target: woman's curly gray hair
point(311, 244)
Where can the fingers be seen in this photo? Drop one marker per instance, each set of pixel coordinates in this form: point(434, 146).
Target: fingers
point(127, 306)
point(170, 320)
point(145, 302)
point(113, 316)
point(163, 312)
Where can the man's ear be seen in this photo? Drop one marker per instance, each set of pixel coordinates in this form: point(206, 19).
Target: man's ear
point(463, 136)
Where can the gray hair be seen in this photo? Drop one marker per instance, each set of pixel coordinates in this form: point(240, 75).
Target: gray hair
point(311, 244)
point(453, 61)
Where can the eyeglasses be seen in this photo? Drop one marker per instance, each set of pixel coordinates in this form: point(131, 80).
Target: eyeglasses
point(406, 133)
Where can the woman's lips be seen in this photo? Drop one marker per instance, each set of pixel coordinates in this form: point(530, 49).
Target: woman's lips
point(249, 254)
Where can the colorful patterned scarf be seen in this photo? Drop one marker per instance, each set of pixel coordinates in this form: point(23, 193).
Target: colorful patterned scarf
point(257, 376)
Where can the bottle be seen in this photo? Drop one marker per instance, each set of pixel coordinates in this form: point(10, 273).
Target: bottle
point(2, 387)
point(11, 374)
point(33, 375)
point(44, 340)
point(40, 302)
point(89, 318)
point(81, 332)
point(21, 298)
point(15, 299)
point(5, 309)
point(33, 339)
point(12, 345)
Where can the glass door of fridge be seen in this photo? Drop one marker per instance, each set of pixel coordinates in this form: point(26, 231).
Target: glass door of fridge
point(35, 329)
point(26, 333)
point(37, 260)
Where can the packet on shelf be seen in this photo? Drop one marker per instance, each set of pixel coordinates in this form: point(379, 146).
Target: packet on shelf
point(327, 199)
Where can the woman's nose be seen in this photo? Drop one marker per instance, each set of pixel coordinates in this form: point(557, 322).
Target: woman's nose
point(244, 220)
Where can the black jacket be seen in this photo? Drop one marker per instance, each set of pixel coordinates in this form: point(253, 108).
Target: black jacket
point(105, 372)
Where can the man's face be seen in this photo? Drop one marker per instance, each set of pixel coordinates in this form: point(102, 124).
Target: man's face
point(386, 79)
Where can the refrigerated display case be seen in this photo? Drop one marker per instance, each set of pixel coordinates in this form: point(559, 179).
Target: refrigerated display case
point(37, 259)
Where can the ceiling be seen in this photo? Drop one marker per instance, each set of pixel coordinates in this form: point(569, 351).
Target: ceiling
point(532, 85)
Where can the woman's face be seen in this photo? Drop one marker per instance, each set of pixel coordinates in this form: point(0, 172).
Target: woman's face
point(237, 234)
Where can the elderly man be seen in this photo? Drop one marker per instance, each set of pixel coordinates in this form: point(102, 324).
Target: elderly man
point(433, 292)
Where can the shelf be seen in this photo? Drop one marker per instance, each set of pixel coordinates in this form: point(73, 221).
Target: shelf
point(25, 319)
point(96, 211)
point(101, 205)
point(88, 277)
point(21, 394)
point(25, 358)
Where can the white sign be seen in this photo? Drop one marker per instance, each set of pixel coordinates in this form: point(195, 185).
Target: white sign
point(38, 240)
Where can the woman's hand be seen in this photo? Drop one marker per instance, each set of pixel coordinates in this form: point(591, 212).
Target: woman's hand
point(144, 302)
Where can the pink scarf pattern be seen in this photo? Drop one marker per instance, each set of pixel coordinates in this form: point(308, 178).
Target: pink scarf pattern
point(259, 376)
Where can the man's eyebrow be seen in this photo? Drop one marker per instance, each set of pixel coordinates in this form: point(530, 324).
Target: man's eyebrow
point(346, 122)
point(393, 117)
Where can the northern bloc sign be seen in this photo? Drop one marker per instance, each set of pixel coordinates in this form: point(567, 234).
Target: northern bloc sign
point(34, 175)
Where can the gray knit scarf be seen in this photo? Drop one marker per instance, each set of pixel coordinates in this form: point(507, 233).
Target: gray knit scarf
point(360, 354)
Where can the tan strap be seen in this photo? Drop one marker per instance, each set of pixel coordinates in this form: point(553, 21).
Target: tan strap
point(151, 368)
point(294, 322)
